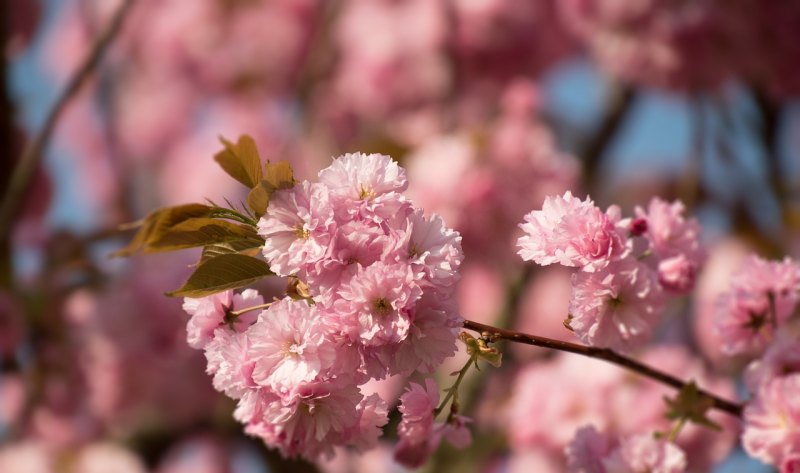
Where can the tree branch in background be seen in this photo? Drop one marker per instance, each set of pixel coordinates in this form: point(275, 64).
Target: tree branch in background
point(32, 154)
point(621, 100)
point(600, 354)
point(768, 133)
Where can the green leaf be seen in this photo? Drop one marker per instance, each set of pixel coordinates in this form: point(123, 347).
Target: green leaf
point(245, 247)
point(201, 232)
point(223, 272)
point(276, 176)
point(691, 404)
point(159, 222)
point(241, 160)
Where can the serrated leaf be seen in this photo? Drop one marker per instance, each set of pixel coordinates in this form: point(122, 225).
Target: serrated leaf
point(276, 176)
point(221, 273)
point(245, 247)
point(155, 225)
point(201, 232)
point(241, 160)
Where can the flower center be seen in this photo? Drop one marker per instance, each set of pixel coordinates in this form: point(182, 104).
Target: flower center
point(289, 349)
point(366, 192)
point(381, 306)
point(301, 232)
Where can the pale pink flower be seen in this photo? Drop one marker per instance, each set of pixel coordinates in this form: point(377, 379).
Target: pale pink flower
point(674, 242)
point(586, 451)
point(617, 307)
point(229, 363)
point(572, 232)
point(363, 177)
point(677, 274)
point(310, 423)
point(781, 358)
point(210, 312)
point(643, 452)
point(745, 317)
point(289, 345)
point(297, 227)
point(417, 405)
point(355, 243)
point(373, 415)
point(772, 421)
point(430, 247)
point(668, 231)
point(375, 305)
point(431, 338)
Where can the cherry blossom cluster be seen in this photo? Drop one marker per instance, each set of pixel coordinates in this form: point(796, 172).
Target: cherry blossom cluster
point(756, 319)
point(377, 278)
point(619, 291)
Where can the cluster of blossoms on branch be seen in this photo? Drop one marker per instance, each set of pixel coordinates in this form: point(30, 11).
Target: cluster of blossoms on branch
point(371, 295)
point(374, 279)
point(619, 292)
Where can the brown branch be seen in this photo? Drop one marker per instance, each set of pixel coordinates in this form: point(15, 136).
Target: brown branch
point(32, 154)
point(601, 354)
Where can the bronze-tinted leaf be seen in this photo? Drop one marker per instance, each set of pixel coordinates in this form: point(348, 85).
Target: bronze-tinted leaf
point(241, 160)
point(223, 272)
point(276, 176)
point(159, 222)
point(201, 232)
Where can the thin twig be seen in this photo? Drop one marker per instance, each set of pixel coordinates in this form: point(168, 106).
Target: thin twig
point(601, 354)
point(622, 98)
point(32, 154)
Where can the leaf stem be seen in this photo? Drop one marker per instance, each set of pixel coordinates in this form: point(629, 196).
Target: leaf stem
point(237, 313)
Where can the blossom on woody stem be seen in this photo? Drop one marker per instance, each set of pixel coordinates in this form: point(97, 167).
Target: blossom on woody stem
point(381, 279)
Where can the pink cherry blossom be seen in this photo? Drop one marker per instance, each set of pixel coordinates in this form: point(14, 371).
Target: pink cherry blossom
point(297, 227)
point(210, 312)
point(375, 305)
point(772, 421)
point(316, 417)
point(417, 406)
point(586, 451)
point(430, 247)
point(572, 232)
point(617, 307)
point(363, 177)
point(780, 359)
point(229, 363)
point(431, 338)
point(677, 274)
point(289, 345)
point(746, 319)
point(373, 415)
